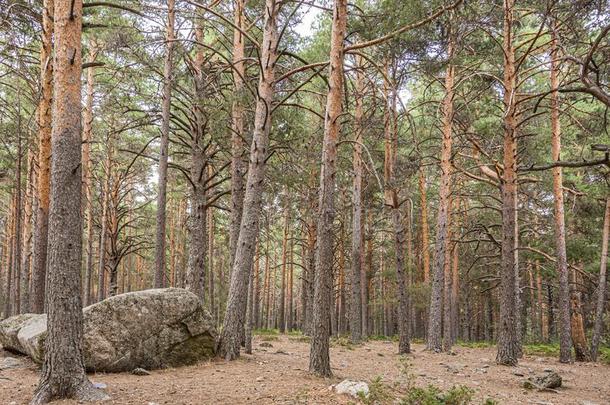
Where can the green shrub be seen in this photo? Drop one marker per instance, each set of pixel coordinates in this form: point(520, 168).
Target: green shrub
point(542, 349)
point(604, 355)
point(265, 331)
point(431, 395)
point(475, 345)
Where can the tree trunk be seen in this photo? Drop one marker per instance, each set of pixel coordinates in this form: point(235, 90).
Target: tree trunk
point(508, 332)
point(159, 280)
point(282, 304)
point(448, 281)
point(238, 144)
point(63, 370)
point(211, 266)
point(601, 285)
point(87, 172)
point(290, 315)
point(319, 358)
point(27, 235)
point(581, 349)
point(565, 345)
point(195, 278)
point(101, 284)
point(10, 239)
point(244, 254)
point(44, 160)
point(356, 314)
point(435, 342)
point(425, 238)
point(16, 263)
point(248, 326)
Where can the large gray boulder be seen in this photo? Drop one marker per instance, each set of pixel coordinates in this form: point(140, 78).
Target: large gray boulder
point(148, 329)
point(9, 329)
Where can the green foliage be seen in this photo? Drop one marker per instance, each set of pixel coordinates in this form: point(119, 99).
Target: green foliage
point(431, 395)
point(604, 355)
point(265, 331)
point(542, 349)
point(342, 341)
point(475, 345)
point(379, 392)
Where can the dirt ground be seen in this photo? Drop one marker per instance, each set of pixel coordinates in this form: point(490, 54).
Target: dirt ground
point(278, 375)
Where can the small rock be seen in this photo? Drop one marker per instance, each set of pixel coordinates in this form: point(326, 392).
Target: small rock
point(518, 374)
point(265, 344)
point(547, 381)
point(140, 371)
point(259, 379)
point(548, 370)
point(281, 352)
point(380, 354)
point(353, 388)
point(485, 366)
point(10, 362)
point(588, 403)
point(100, 385)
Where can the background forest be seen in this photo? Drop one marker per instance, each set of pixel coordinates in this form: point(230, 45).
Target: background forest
point(464, 195)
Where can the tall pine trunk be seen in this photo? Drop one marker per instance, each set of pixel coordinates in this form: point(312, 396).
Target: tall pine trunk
point(236, 302)
point(238, 145)
point(435, 341)
point(565, 343)
point(355, 308)
point(39, 265)
point(319, 357)
point(508, 326)
point(63, 370)
point(601, 285)
point(87, 174)
point(159, 280)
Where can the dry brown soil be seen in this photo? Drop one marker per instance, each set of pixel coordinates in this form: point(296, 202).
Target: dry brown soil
point(278, 375)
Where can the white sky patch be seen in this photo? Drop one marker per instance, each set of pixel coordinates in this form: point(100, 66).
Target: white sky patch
point(304, 27)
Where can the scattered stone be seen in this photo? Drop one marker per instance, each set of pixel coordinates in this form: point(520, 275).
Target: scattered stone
point(380, 354)
point(100, 385)
point(548, 370)
point(485, 366)
point(588, 403)
point(140, 371)
point(259, 379)
point(546, 381)
point(518, 374)
point(481, 370)
point(454, 368)
point(265, 344)
point(10, 362)
point(280, 351)
point(353, 388)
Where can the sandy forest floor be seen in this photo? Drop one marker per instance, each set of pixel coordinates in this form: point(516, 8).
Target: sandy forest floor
point(278, 375)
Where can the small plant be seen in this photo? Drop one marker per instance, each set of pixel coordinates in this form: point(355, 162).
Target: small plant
point(542, 349)
point(604, 355)
point(342, 341)
point(475, 345)
point(265, 331)
point(431, 395)
point(301, 338)
point(379, 393)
